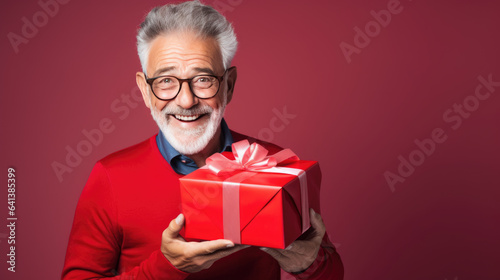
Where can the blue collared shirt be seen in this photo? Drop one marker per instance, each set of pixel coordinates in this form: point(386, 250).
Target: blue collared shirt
point(181, 163)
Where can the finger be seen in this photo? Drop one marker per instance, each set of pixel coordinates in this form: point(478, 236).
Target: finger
point(277, 255)
point(317, 224)
point(175, 226)
point(208, 247)
point(226, 252)
point(297, 247)
point(210, 259)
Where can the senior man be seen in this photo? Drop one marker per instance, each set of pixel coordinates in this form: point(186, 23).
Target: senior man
point(127, 223)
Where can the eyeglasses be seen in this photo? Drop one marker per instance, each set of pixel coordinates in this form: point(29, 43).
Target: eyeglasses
point(202, 86)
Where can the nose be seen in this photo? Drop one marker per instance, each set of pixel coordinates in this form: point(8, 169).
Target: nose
point(186, 99)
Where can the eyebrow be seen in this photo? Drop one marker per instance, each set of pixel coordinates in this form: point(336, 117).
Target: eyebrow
point(163, 70)
point(204, 70)
point(198, 70)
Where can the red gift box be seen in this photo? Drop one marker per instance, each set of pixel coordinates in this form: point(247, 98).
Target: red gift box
point(257, 207)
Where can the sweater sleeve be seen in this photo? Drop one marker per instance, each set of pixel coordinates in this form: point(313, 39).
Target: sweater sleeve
point(95, 240)
point(327, 266)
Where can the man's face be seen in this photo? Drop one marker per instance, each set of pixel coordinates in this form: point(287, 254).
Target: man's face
point(189, 123)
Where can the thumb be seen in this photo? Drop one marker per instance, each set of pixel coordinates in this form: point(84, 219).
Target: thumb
point(175, 226)
point(317, 223)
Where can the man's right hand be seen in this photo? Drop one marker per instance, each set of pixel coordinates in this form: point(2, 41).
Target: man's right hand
point(193, 256)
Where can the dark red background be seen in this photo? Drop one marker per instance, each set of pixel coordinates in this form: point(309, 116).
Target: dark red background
point(355, 118)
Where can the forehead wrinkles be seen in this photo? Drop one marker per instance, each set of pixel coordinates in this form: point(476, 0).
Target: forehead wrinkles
point(182, 61)
point(184, 52)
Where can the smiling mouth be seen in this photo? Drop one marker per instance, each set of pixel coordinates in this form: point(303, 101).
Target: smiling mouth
point(188, 118)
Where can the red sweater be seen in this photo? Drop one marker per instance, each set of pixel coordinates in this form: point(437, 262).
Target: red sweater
point(129, 199)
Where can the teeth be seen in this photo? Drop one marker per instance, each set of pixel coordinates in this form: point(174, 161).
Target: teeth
point(187, 118)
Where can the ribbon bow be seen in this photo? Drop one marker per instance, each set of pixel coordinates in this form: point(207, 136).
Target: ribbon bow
point(248, 157)
point(252, 158)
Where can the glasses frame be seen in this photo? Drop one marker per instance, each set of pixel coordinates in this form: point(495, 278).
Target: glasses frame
point(150, 81)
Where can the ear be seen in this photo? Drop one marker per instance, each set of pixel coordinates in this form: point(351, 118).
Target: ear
point(232, 74)
point(140, 79)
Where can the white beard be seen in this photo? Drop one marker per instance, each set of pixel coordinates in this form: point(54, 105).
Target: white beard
point(192, 141)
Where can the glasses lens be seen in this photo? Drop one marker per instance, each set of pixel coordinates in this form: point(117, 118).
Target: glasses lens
point(205, 86)
point(166, 87)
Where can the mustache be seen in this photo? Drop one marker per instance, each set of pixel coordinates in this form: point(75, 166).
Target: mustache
point(197, 110)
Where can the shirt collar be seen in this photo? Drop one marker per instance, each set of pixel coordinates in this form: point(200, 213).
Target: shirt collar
point(175, 159)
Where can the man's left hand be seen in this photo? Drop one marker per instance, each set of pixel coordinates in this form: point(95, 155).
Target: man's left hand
point(301, 253)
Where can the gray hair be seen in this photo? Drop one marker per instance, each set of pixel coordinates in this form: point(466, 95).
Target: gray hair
point(193, 16)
